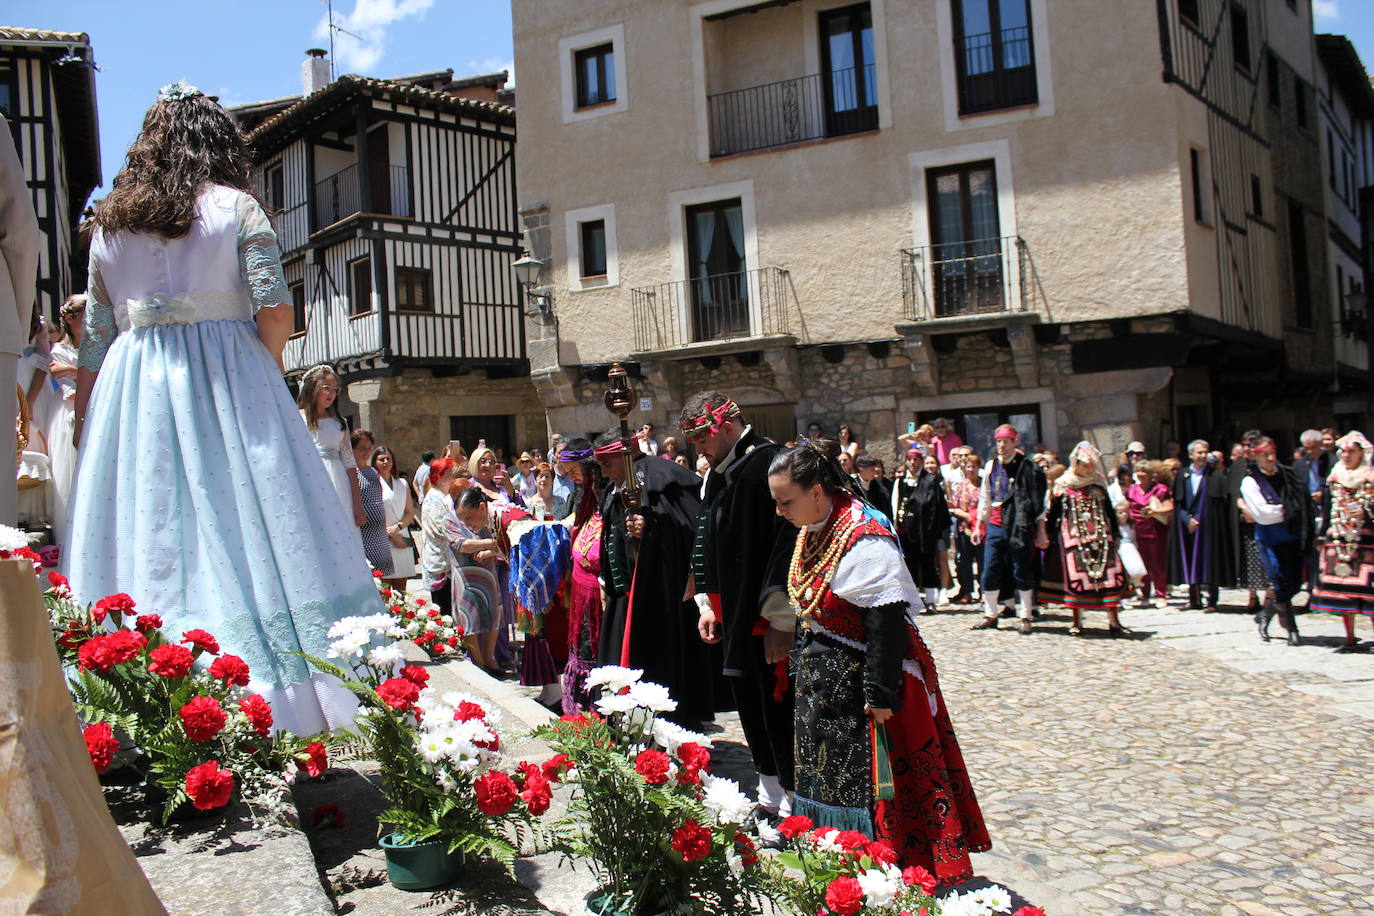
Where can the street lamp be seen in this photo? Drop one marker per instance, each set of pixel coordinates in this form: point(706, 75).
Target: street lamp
point(527, 270)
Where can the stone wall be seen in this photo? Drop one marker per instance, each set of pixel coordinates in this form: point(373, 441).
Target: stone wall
point(410, 412)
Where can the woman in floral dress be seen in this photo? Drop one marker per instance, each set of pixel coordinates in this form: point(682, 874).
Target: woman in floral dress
point(1083, 568)
point(1345, 560)
point(875, 748)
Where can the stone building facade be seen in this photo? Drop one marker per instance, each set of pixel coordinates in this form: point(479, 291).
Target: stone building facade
point(855, 212)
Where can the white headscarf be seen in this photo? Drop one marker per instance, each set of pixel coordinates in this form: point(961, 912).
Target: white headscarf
point(1087, 453)
point(1351, 477)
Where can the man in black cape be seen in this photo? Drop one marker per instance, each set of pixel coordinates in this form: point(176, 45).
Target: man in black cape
point(1200, 552)
point(1011, 525)
point(649, 623)
point(739, 568)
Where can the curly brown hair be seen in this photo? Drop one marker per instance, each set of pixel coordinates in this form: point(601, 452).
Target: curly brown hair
point(185, 144)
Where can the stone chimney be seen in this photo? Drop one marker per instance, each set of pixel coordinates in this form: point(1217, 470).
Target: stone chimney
point(314, 71)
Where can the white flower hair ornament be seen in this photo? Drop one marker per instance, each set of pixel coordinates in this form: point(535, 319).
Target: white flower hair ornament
point(175, 92)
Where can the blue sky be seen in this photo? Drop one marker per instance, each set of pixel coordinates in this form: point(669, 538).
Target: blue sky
point(248, 50)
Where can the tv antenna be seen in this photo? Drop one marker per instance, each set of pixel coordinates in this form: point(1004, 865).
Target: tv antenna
point(333, 74)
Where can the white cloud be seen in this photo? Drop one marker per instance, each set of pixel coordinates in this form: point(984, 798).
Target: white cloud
point(1326, 9)
point(492, 65)
point(370, 22)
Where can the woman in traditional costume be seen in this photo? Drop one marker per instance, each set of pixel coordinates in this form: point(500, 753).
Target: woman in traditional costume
point(1345, 561)
point(1083, 569)
point(585, 605)
point(926, 531)
point(875, 748)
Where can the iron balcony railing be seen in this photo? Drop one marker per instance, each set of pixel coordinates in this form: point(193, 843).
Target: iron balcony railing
point(810, 107)
point(968, 278)
point(746, 303)
point(997, 70)
point(340, 195)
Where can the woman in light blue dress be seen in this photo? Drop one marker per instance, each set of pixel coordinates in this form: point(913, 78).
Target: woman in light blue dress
point(198, 489)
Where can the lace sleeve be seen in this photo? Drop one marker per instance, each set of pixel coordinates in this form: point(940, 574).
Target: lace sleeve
point(99, 322)
point(259, 257)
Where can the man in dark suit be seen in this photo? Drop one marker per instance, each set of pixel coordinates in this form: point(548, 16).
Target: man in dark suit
point(739, 569)
point(1311, 470)
point(1200, 554)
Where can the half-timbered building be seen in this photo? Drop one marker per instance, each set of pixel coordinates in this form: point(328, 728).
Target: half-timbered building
point(396, 212)
point(47, 93)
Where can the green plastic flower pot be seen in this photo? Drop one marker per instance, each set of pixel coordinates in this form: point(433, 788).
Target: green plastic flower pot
point(420, 866)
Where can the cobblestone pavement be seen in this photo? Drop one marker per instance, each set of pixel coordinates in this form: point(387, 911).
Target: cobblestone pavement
point(1189, 769)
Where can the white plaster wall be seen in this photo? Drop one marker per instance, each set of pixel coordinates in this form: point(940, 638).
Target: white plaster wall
point(1097, 185)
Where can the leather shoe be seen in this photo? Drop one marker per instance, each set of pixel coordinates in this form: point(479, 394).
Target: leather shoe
point(988, 623)
point(1024, 628)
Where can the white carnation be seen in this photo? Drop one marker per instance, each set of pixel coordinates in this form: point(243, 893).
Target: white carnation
point(613, 677)
point(653, 697)
point(993, 897)
point(878, 887)
point(671, 736)
point(615, 703)
point(724, 799)
point(386, 656)
point(768, 834)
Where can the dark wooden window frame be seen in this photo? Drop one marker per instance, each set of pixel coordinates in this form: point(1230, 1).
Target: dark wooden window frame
point(604, 57)
point(586, 264)
point(1032, 97)
point(1188, 11)
point(973, 261)
point(1300, 268)
point(1271, 66)
point(410, 280)
point(1300, 102)
point(1256, 196)
point(864, 115)
point(1240, 38)
point(353, 275)
point(298, 307)
point(1199, 190)
point(276, 186)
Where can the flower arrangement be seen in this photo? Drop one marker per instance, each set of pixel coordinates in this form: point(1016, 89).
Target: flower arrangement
point(437, 752)
point(182, 703)
point(843, 872)
point(422, 622)
point(657, 828)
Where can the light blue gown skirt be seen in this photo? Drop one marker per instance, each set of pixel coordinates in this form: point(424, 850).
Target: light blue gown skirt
point(199, 492)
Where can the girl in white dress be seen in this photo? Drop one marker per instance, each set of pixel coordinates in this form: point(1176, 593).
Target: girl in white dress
point(62, 420)
point(400, 514)
point(319, 406)
point(198, 490)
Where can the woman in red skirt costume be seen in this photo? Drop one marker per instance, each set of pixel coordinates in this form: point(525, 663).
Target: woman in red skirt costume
point(1083, 568)
point(875, 750)
point(1345, 562)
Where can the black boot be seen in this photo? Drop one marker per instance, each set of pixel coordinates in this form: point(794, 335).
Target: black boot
point(1263, 617)
point(1289, 622)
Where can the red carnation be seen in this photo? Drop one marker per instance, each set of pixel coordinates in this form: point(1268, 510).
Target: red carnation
point(844, 896)
point(398, 693)
point(231, 669)
point(73, 636)
point(1029, 911)
point(850, 840)
point(101, 744)
point(748, 854)
point(556, 766)
point(653, 766)
point(376, 574)
point(202, 641)
point(416, 675)
point(694, 755)
point(202, 718)
point(328, 815)
point(577, 720)
point(821, 833)
point(421, 602)
point(170, 661)
point(692, 841)
point(117, 605)
point(467, 711)
point(146, 623)
point(496, 793)
point(209, 786)
point(259, 713)
point(316, 760)
point(105, 652)
point(57, 580)
point(881, 852)
point(917, 875)
point(795, 826)
point(537, 791)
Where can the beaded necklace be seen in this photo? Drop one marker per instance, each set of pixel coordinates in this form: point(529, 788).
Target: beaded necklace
point(1350, 508)
point(1089, 525)
point(814, 559)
